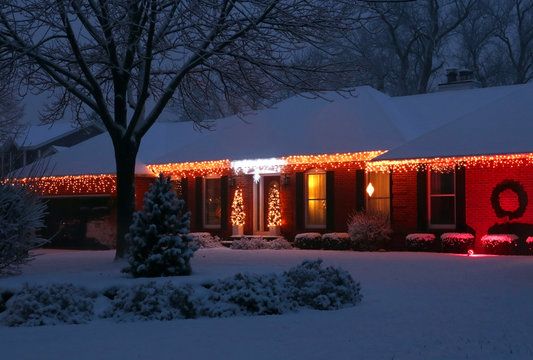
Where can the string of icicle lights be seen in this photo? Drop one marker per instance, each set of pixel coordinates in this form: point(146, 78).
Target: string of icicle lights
point(329, 161)
point(295, 162)
point(72, 185)
point(446, 164)
point(200, 168)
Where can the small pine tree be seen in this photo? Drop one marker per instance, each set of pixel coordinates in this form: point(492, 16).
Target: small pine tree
point(237, 209)
point(158, 237)
point(274, 207)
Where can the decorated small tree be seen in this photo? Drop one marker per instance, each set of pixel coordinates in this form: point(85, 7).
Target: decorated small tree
point(237, 209)
point(274, 207)
point(158, 236)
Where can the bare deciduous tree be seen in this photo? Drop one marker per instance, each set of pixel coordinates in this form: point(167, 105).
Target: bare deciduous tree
point(127, 60)
point(410, 39)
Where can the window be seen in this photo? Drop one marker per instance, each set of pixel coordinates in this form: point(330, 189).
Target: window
point(315, 199)
point(442, 199)
point(378, 200)
point(212, 202)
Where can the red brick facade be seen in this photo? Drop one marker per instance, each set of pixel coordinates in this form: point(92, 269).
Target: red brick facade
point(480, 218)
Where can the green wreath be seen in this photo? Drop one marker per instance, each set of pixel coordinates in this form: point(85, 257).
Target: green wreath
point(518, 189)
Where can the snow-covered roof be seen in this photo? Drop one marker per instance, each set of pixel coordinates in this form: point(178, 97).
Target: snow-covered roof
point(426, 112)
point(503, 125)
point(301, 126)
point(463, 122)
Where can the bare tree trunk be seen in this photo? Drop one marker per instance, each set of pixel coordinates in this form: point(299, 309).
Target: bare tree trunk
point(125, 155)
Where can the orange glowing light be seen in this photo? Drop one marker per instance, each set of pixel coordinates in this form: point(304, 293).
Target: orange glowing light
point(201, 168)
point(370, 189)
point(72, 185)
point(446, 164)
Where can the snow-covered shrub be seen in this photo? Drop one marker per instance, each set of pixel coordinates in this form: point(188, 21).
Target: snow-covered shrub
point(159, 241)
point(529, 245)
point(279, 244)
point(150, 301)
point(258, 243)
point(247, 294)
point(498, 243)
point(21, 218)
point(204, 240)
point(420, 241)
point(457, 242)
point(36, 305)
point(311, 285)
point(369, 231)
point(254, 243)
point(336, 241)
point(308, 241)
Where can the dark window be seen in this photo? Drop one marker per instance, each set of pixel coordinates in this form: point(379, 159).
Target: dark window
point(442, 198)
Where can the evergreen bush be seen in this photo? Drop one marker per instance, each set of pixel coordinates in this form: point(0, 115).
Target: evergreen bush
point(21, 218)
point(158, 237)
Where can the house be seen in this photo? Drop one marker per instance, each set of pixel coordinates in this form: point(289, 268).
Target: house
point(322, 157)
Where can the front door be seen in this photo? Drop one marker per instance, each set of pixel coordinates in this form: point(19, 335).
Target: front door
point(262, 190)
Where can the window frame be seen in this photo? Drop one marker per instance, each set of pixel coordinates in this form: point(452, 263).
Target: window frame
point(430, 196)
point(204, 202)
point(306, 199)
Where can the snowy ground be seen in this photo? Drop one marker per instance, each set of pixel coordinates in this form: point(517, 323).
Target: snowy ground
point(415, 306)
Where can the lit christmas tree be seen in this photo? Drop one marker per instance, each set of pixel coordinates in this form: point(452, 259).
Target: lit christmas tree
point(237, 209)
point(274, 207)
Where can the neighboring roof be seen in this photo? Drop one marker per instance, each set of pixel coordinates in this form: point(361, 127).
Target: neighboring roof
point(501, 126)
point(96, 155)
point(301, 126)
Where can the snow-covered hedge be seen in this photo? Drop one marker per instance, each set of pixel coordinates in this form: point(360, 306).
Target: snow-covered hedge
point(204, 240)
point(529, 245)
point(457, 242)
point(308, 285)
point(500, 244)
point(36, 305)
point(308, 241)
point(149, 301)
point(337, 241)
point(420, 241)
point(258, 243)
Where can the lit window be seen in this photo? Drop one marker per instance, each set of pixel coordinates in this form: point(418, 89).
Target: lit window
point(442, 199)
point(378, 200)
point(212, 202)
point(316, 199)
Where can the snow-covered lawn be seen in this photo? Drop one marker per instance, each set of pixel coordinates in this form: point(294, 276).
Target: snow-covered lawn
point(415, 306)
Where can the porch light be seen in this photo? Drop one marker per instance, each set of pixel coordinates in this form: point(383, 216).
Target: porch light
point(370, 189)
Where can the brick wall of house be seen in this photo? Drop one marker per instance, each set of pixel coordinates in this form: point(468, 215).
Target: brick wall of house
point(142, 186)
point(480, 216)
point(404, 202)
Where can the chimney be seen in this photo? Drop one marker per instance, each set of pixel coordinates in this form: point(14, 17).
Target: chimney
point(459, 80)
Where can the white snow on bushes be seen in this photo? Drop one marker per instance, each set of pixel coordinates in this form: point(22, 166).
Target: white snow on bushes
point(498, 238)
point(307, 285)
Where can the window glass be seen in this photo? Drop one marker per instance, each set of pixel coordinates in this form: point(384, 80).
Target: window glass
point(316, 199)
point(212, 202)
point(442, 198)
point(380, 200)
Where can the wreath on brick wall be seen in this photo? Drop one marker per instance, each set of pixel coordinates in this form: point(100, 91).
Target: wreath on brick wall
point(515, 187)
